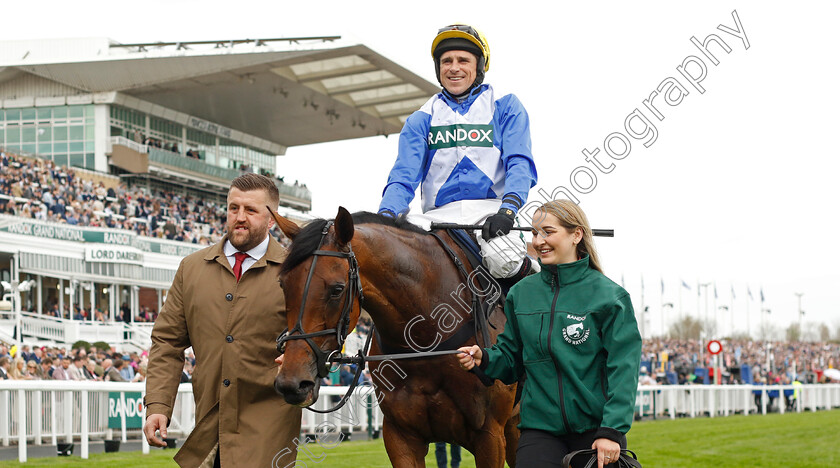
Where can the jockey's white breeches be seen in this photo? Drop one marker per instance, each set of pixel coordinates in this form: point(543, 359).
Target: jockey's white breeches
point(502, 256)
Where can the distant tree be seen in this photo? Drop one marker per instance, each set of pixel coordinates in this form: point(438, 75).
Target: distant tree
point(793, 332)
point(767, 331)
point(825, 332)
point(740, 336)
point(686, 328)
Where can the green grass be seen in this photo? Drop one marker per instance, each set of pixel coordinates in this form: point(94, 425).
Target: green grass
point(806, 440)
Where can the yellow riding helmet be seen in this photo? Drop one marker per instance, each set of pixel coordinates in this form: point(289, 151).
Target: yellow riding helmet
point(462, 32)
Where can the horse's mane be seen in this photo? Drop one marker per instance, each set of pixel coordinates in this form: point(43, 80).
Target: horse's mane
point(307, 240)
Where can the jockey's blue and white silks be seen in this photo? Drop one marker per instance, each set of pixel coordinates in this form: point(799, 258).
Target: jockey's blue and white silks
point(477, 149)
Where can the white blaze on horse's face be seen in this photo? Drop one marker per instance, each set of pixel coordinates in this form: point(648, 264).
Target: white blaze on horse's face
point(248, 221)
point(553, 242)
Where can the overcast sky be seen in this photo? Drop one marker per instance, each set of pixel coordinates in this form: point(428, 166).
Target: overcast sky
point(738, 188)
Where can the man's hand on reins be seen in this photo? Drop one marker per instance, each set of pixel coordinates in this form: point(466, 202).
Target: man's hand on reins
point(499, 224)
point(470, 357)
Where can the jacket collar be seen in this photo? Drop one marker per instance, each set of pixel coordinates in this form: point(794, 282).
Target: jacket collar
point(565, 273)
point(468, 99)
point(274, 254)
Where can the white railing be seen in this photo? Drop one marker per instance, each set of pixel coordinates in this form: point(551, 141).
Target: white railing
point(58, 330)
point(56, 411)
point(724, 400)
point(65, 411)
point(123, 141)
point(45, 328)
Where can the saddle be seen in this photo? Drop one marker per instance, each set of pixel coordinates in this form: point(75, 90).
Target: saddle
point(483, 285)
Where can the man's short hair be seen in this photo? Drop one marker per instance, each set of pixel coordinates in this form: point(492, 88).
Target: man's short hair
point(4, 360)
point(249, 181)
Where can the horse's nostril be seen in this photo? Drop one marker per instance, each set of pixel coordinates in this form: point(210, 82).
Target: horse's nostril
point(306, 386)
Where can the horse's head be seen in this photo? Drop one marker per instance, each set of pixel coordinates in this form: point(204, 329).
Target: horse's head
point(320, 279)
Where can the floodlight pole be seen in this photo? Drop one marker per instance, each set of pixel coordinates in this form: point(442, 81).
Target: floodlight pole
point(799, 312)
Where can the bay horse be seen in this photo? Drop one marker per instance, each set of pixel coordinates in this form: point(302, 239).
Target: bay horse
point(405, 280)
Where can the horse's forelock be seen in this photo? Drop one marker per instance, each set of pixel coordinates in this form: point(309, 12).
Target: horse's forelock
point(305, 243)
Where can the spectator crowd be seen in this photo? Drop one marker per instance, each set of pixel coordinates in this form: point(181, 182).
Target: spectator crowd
point(58, 194)
point(770, 363)
point(59, 363)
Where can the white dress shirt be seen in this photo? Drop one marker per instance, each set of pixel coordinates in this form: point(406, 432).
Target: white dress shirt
point(253, 255)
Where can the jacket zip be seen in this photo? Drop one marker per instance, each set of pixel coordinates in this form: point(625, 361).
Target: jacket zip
point(556, 368)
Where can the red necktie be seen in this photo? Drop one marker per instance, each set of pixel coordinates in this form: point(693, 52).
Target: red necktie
point(237, 265)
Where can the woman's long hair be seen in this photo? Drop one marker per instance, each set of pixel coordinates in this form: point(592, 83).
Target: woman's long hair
point(571, 217)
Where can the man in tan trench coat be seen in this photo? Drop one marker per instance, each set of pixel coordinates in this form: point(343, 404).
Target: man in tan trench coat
point(232, 326)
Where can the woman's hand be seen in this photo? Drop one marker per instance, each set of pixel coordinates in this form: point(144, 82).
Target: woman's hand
point(608, 451)
point(470, 357)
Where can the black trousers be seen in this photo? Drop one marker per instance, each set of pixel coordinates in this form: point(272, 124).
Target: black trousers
point(540, 449)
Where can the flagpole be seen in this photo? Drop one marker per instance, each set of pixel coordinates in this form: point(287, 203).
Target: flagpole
point(682, 314)
point(643, 308)
point(662, 306)
point(699, 317)
point(748, 312)
point(715, 309)
point(732, 309)
point(761, 312)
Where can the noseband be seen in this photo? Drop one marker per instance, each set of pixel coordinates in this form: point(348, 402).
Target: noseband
point(324, 359)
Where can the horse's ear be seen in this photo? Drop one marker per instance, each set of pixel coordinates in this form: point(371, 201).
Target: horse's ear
point(343, 227)
point(289, 228)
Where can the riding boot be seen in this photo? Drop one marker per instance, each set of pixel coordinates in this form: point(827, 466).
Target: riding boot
point(528, 267)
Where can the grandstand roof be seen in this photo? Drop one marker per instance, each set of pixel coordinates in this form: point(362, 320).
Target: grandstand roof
point(290, 91)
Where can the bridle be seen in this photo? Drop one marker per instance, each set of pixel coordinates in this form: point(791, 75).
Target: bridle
point(324, 360)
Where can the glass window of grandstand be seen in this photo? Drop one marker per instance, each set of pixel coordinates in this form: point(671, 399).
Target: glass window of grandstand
point(165, 135)
point(63, 134)
point(201, 146)
point(235, 156)
point(129, 124)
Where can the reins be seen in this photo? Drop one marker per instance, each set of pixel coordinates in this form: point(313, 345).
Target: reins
point(325, 361)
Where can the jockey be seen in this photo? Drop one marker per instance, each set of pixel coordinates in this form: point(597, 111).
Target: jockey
point(469, 149)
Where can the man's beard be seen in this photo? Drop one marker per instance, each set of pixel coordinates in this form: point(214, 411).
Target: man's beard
point(251, 239)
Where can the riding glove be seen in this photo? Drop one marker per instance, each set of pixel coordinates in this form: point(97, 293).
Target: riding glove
point(499, 224)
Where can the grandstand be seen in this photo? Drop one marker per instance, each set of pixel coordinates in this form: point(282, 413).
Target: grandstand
point(116, 160)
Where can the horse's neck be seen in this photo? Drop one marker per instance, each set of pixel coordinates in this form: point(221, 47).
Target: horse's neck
point(405, 275)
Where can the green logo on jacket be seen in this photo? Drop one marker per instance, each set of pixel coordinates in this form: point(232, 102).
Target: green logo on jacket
point(450, 136)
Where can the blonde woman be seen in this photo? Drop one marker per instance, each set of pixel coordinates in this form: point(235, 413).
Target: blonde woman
point(19, 370)
point(573, 333)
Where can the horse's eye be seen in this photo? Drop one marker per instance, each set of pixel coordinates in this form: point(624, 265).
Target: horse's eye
point(336, 290)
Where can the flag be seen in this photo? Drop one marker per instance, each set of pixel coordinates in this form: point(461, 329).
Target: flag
point(662, 282)
point(761, 291)
point(715, 290)
point(622, 280)
point(733, 291)
point(685, 285)
point(802, 312)
point(749, 293)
